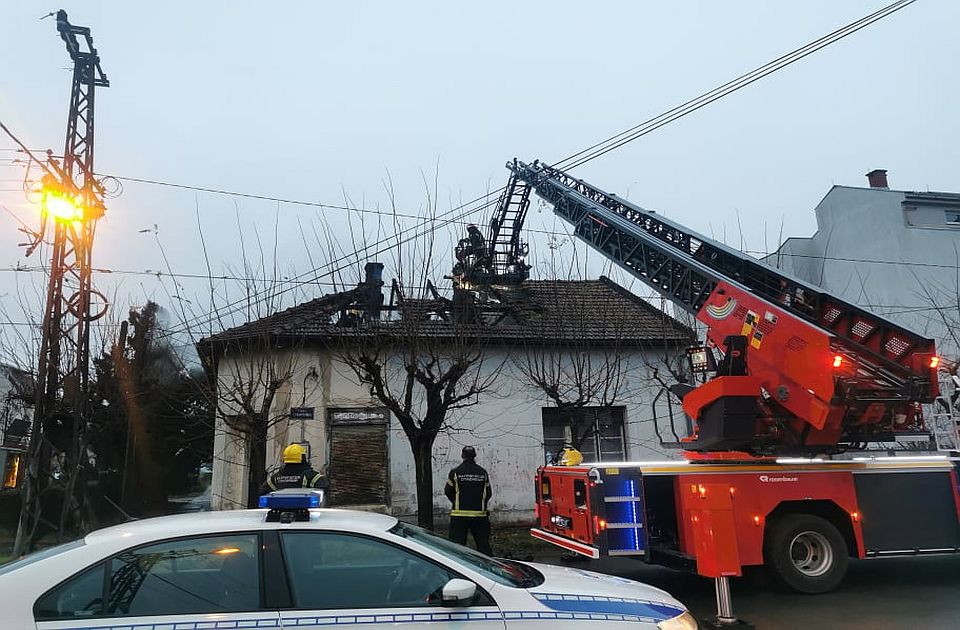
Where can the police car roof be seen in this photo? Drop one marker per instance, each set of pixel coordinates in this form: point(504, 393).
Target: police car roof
point(198, 523)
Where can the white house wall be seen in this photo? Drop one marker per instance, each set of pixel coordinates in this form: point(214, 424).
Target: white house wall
point(856, 226)
point(506, 429)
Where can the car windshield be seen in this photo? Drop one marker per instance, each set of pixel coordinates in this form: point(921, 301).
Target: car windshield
point(507, 572)
point(36, 556)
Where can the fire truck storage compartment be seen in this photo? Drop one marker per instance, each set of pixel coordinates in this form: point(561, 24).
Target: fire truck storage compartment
point(660, 498)
point(907, 512)
point(624, 512)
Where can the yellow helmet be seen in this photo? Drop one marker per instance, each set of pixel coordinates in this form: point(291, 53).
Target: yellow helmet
point(294, 454)
point(570, 457)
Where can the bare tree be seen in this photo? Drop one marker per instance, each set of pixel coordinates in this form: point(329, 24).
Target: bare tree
point(423, 366)
point(589, 350)
point(248, 379)
point(572, 366)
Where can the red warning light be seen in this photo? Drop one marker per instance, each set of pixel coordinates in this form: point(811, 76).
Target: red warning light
point(837, 361)
point(756, 521)
point(855, 516)
point(934, 363)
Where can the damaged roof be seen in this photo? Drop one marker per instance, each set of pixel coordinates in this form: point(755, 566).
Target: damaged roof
point(539, 311)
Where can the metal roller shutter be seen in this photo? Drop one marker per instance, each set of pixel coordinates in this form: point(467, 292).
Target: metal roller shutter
point(358, 464)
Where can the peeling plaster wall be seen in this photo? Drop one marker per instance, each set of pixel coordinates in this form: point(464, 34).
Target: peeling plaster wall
point(506, 429)
point(228, 483)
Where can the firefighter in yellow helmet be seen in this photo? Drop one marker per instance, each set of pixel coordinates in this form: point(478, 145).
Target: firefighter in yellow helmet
point(570, 456)
point(296, 473)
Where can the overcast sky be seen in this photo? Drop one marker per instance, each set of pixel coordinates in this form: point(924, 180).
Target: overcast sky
point(326, 102)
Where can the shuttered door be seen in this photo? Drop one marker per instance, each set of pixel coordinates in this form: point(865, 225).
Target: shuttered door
point(358, 464)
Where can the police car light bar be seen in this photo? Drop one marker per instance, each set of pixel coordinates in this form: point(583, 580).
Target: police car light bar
point(291, 504)
point(292, 499)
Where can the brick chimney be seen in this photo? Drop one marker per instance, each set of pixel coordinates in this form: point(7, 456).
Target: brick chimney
point(877, 178)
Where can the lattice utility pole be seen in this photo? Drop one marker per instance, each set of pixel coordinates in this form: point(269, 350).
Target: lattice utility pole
point(72, 204)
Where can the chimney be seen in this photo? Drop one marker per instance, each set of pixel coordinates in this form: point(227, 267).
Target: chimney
point(877, 178)
point(373, 298)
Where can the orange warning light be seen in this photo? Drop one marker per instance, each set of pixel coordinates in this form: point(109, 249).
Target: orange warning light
point(702, 491)
point(599, 524)
point(934, 363)
point(837, 361)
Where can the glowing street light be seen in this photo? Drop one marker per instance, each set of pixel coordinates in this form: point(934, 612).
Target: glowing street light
point(58, 203)
point(61, 207)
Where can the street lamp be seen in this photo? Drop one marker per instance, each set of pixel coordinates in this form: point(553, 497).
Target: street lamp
point(59, 203)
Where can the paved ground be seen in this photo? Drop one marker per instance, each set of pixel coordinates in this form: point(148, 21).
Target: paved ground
point(877, 594)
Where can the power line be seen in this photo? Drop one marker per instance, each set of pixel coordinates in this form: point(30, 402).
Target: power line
point(231, 193)
point(652, 124)
point(577, 159)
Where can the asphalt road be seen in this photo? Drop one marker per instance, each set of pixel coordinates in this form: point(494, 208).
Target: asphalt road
point(882, 594)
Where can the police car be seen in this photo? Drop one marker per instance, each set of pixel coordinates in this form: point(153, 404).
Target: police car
point(291, 566)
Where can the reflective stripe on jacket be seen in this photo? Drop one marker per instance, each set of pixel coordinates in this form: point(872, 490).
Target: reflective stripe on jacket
point(296, 476)
point(468, 488)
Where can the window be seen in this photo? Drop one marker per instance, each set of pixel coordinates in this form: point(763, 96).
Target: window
point(932, 215)
point(501, 571)
point(80, 596)
point(11, 471)
point(330, 570)
point(597, 432)
point(580, 493)
point(36, 556)
point(198, 575)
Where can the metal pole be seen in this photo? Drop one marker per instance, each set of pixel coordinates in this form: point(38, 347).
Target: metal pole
point(63, 365)
point(724, 601)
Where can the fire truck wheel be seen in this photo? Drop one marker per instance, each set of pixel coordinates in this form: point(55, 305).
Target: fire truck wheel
point(805, 553)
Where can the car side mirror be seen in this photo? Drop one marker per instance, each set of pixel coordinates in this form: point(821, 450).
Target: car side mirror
point(458, 592)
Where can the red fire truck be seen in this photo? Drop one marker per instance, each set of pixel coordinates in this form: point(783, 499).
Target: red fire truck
point(802, 518)
point(790, 379)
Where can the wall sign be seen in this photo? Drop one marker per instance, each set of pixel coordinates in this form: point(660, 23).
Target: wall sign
point(301, 413)
point(359, 415)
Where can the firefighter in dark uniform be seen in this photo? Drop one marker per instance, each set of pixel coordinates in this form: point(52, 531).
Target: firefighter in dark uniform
point(296, 473)
point(468, 488)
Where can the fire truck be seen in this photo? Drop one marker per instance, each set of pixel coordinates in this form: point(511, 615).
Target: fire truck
point(794, 385)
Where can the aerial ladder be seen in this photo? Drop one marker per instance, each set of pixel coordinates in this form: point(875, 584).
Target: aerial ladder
point(800, 371)
point(500, 259)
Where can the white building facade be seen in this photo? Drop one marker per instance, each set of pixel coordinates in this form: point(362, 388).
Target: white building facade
point(514, 426)
point(893, 252)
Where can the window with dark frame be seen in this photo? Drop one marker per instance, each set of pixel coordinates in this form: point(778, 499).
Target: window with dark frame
point(597, 432)
point(204, 575)
point(335, 570)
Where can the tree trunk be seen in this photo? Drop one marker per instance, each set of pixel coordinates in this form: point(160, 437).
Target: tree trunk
point(257, 473)
point(422, 448)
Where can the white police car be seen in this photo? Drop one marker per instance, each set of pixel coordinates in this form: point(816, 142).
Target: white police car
point(290, 567)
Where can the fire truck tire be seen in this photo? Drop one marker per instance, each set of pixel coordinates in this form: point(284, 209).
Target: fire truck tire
point(805, 553)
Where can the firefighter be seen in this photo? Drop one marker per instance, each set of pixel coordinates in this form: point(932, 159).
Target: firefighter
point(468, 488)
point(296, 473)
point(570, 456)
point(475, 237)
